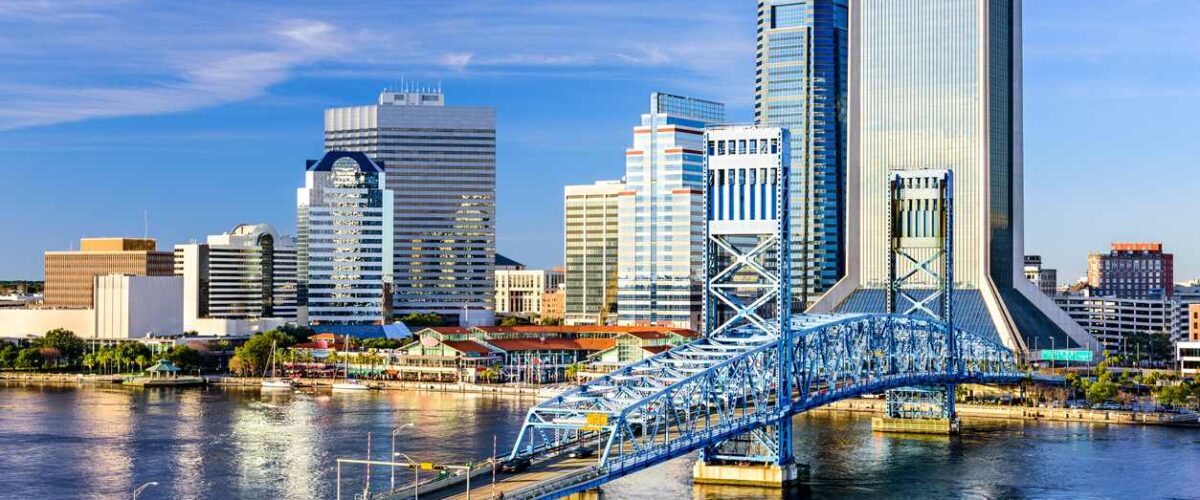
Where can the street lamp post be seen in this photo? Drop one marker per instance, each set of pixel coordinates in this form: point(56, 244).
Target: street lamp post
point(392, 483)
point(139, 489)
point(466, 470)
point(416, 474)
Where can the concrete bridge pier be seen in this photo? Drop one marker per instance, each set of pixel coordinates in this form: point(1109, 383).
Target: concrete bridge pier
point(919, 410)
point(762, 475)
point(592, 494)
point(761, 458)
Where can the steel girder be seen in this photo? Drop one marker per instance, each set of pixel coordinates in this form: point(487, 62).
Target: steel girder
point(713, 389)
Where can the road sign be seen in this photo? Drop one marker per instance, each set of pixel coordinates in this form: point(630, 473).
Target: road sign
point(1066, 355)
point(596, 421)
point(426, 465)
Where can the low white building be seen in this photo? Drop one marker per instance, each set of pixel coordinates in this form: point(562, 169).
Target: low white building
point(126, 307)
point(138, 306)
point(24, 323)
point(1187, 354)
point(238, 283)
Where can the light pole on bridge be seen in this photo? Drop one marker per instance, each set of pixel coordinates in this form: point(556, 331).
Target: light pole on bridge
point(139, 489)
point(392, 481)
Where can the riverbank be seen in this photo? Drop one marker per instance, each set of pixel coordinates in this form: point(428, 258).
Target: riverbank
point(970, 411)
point(256, 382)
point(871, 406)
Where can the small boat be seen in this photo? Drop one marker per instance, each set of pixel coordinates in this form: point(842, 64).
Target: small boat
point(278, 383)
point(270, 380)
point(349, 384)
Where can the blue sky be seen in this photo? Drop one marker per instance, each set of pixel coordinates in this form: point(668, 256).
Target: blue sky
point(202, 113)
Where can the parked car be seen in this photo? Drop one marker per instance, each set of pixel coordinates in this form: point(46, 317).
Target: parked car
point(581, 452)
point(514, 465)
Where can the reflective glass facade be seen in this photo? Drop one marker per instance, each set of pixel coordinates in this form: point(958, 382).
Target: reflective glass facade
point(800, 84)
point(660, 256)
point(344, 248)
point(441, 168)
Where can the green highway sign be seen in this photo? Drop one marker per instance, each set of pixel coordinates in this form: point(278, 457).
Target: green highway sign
point(1066, 355)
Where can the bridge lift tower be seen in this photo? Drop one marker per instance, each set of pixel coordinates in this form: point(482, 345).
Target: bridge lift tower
point(921, 283)
point(747, 284)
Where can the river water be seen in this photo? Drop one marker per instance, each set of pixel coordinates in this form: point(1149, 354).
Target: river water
point(66, 442)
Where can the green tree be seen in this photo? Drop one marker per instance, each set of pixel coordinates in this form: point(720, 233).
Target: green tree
point(296, 334)
point(184, 357)
point(8, 355)
point(1172, 395)
point(1100, 391)
point(382, 343)
point(515, 321)
point(29, 358)
point(256, 351)
point(70, 347)
point(421, 320)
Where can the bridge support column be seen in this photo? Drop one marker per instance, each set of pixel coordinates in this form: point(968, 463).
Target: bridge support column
point(761, 458)
point(919, 410)
point(761, 475)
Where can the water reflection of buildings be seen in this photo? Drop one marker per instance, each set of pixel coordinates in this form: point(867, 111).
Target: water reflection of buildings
point(277, 441)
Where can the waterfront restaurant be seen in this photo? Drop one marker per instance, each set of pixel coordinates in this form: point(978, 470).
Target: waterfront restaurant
point(539, 354)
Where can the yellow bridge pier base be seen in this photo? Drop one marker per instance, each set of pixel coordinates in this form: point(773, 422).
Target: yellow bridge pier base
point(941, 426)
point(592, 494)
point(750, 474)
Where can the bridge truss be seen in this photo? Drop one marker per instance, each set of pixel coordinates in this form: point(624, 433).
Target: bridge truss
point(704, 393)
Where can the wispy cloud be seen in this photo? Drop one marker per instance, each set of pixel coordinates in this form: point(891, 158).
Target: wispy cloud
point(201, 77)
point(128, 57)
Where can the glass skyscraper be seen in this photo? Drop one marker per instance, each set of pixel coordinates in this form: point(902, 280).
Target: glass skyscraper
point(800, 84)
point(938, 86)
point(441, 167)
point(344, 248)
point(660, 271)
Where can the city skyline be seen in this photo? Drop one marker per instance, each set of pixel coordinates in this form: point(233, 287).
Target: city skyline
point(121, 163)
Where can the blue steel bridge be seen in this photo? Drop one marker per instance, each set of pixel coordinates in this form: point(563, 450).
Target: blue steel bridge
point(731, 395)
point(746, 383)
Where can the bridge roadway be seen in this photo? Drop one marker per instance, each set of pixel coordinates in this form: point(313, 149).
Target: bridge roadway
point(557, 467)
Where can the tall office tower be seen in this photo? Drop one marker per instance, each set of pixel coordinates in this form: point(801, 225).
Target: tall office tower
point(938, 86)
point(344, 249)
point(69, 275)
point(247, 273)
point(801, 84)
point(1132, 271)
point(441, 165)
point(660, 274)
point(590, 229)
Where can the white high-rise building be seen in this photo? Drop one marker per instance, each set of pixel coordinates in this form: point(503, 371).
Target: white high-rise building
point(590, 228)
point(660, 275)
point(441, 167)
point(344, 249)
point(246, 274)
point(936, 84)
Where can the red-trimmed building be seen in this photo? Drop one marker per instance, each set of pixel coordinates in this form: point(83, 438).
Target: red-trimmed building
point(534, 353)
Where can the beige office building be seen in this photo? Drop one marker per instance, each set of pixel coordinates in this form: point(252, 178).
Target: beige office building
point(519, 293)
point(590, 230)
point(70, 275)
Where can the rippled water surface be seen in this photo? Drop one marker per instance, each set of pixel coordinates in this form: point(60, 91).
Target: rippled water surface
point(101, 442)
